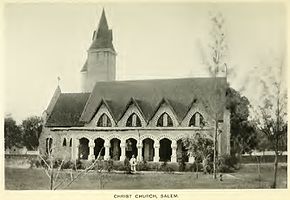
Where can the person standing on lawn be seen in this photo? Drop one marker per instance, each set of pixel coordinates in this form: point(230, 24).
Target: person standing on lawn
point(133, 163)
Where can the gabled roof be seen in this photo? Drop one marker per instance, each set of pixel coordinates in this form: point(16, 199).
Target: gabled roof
point(107, 104)
point(166, 102)
point(136, 103)
point(67, 110)
point(149, 93)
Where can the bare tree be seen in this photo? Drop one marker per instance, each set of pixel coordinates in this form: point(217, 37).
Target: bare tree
point(53, 170)
point(216, 65)
point(271, 113)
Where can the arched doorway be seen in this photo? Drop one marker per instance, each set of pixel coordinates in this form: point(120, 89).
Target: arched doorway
point(84, 148)
point(99, 144)
point(131, 148)
point(148, 149)
point(165, 150)
point(115, 150)
point(181, 152)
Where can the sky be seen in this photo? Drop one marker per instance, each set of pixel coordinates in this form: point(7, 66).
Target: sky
point(153, 40)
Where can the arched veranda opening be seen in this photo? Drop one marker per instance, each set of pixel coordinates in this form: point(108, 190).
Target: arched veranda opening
point(115, 149)
point(131, 148)
point(84, 149)
point(148, 149)
point(165, 150)
point(99, 144)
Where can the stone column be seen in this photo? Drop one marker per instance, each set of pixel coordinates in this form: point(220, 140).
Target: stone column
point(107, 150)
point(139, 146)
point(173, 147)
point(156, 151)
point(123, 150)
point(91, 150)
point(75, 148)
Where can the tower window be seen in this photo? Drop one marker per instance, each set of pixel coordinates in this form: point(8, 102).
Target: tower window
point(64, 142)
point(133, 121)
point(165, 121)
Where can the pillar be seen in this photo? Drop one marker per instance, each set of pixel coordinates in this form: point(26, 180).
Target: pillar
point(139, 147)
point(123, 150)
point(75, 148)
point(107, 150)
point(91, 150)
point(156, 150)
point(173, 147)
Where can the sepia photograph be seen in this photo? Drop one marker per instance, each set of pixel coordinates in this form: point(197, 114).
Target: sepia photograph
point(145, 96)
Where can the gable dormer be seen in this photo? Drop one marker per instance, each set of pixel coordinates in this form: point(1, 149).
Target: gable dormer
point(103, 116)
point(133, 115)
point(164, 115)
point(197, 115)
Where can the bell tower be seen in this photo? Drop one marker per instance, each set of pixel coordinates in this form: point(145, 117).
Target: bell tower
point(101, 60)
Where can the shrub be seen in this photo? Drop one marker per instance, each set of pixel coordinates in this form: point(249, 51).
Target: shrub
point(108, 165)
point(181, 165)
point(227, 164)
point(79, 165)
point(195, 167)
point(142, 166)
point(127, 166)
point(34, 163)
point(68, 165)
point(168, 167)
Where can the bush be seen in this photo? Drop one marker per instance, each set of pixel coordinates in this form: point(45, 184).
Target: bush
point(127, 166)
point(168, 167)
point(108, 165)
point(142, 166)
point(181, 165)
point(68, 165)
point(79, 165)
point(227, 164)
point(34, 163)
point(195, 166)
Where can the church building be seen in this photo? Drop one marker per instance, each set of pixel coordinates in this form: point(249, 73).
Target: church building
point(145, 118)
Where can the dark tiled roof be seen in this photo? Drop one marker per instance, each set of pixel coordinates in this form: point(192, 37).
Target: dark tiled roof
point(179, 93)
point(68, 110)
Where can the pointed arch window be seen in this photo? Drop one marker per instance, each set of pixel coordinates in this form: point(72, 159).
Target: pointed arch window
point(165, 120)
point(64, 142)
point(104, 121)
point(133, 121)
point(70, 142)
point(197, 120)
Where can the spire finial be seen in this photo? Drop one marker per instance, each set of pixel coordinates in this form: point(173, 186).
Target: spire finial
point(58, 81)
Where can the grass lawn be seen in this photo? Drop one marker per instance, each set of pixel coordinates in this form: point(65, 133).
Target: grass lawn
point(246, 177)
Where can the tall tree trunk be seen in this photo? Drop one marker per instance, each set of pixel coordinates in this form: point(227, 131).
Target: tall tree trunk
point(215, 151)
point(275, 170)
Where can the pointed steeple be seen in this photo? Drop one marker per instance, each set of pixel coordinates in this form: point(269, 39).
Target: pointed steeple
point(102, 38)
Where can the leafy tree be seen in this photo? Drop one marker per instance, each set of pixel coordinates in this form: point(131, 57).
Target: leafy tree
point(243, 131)
point(199, 146)
point(32, 127)
point(12, 133)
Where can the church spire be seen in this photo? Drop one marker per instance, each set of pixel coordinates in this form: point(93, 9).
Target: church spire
point(102, 38)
